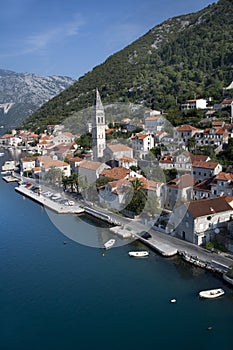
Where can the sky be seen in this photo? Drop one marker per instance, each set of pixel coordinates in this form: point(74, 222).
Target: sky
point(70, 37)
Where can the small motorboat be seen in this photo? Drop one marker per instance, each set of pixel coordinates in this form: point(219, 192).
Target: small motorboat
point(139, 254)
point(109, 243)
point(1, 154)
point(172, 300)
point(211, 293)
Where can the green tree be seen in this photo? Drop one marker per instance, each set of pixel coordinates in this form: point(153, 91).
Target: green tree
point(54, 175)
point(191, 143)
point(139, 197)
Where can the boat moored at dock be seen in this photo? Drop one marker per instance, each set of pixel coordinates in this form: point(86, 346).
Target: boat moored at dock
point(139, 254)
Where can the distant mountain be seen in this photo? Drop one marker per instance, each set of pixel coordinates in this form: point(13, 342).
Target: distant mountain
point(21, 94)
point(182, 58)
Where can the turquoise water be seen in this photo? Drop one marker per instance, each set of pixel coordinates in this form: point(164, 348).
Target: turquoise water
point(69, 296)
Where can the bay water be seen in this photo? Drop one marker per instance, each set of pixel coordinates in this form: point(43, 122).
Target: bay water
point(72, 296)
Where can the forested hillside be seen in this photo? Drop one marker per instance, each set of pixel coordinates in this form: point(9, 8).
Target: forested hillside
point(184, 57)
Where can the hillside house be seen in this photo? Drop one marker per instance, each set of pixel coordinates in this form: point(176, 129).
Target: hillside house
point(27, 164)
point(199, 103)
point(177, 191)
point(183, 133)
point(214, 136)
point(63, 137)
point(91, 170)
point(167, 161)
point(115, 194)
point(74, 163)
point(222, 184)
point(154, 123)
point(204, 170)
point(57, 164)
point(117, 151)
point(199, 221)
point(127, 162)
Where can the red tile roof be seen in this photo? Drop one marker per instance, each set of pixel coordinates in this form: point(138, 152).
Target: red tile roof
point(205, 165)
point(186, 128)
point(91, 165)
point(183, 181)
point(116, 173)
point(118, 147)
point(166, 159)
point(208, 206)
point(222, 176)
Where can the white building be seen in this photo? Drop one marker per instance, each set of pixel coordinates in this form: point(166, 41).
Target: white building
point(143, 142)
point(194, 104)
point(184, 132)
point(65, 137)
point(204, 170)
point(200, 220)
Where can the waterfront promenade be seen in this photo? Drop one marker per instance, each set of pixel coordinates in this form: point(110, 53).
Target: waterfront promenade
point(58, 208)
point(164, 244)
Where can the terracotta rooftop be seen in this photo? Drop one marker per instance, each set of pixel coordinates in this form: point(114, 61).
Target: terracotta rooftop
point(28, 159)
point(186, 128)
point(150, 185)
point(205, 165)
point(227, 101)
point(140, 136)
point(44, 159)
point(198, 157)
point(68, 134)
point(38, 168)
point(166, 159)
point(153, 118)
point(183, 181)
point(204, 186)
point(208, 206)
point(116, 173)
point(222, 176)
point(89, 164)
point(108, 131)
point(54, 163)
point(75, 159)
point(118, 147)
point(127, 159)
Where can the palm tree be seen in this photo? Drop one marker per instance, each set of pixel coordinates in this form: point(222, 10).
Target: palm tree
point(139, 197)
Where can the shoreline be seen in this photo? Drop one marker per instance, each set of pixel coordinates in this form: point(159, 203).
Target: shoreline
point(165, 245)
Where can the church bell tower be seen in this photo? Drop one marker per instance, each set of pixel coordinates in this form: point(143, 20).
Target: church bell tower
point(98, 128)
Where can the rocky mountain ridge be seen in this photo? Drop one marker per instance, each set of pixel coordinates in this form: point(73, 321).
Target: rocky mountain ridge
point(21, 94)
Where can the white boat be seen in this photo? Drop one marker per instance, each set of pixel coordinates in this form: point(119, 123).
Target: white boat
point(173, 301)
point(1, 154)
point(139, 254)
point(109, 243)
point(211, 293)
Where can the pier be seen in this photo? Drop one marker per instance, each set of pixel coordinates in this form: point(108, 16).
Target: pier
point(57, 207)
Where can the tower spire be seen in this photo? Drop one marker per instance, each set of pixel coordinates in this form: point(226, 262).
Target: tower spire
point(98, 129)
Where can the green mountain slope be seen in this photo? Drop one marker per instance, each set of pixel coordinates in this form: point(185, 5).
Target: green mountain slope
point(184, 57)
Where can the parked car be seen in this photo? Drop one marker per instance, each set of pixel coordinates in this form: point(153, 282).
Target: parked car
point(145, 235)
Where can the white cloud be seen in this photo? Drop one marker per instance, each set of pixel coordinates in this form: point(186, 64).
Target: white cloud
point(40, 41)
